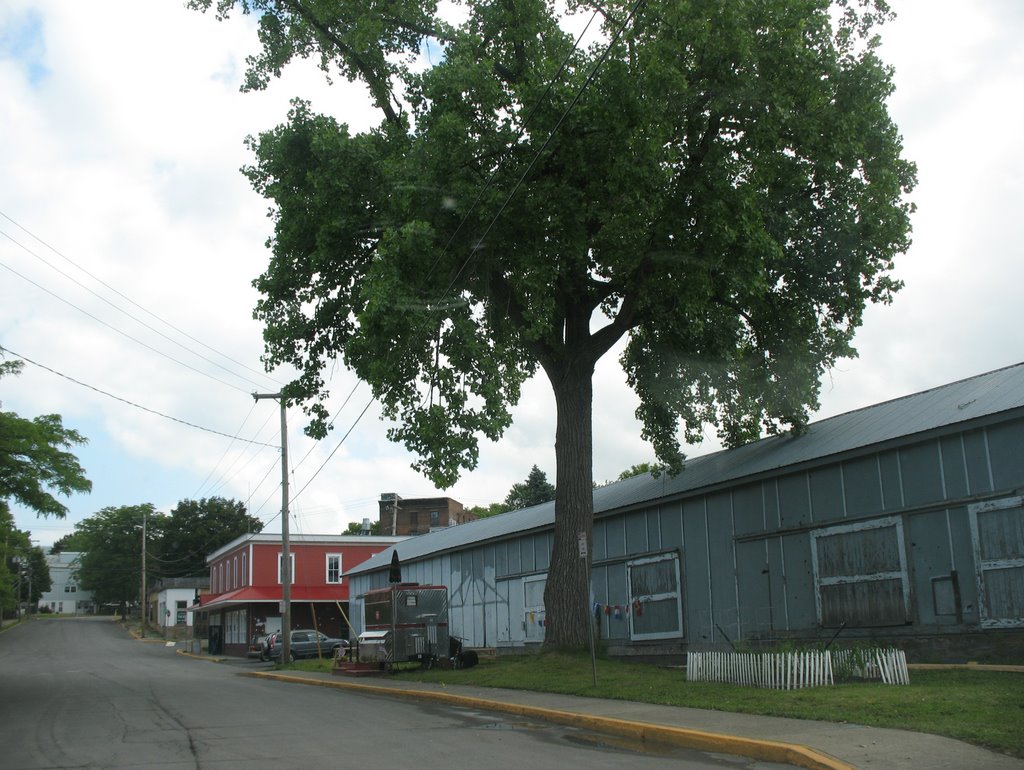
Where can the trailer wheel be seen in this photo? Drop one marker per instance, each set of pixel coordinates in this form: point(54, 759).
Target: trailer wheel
point(468, 659)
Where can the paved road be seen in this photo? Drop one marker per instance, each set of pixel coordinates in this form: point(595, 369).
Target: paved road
point(77, 693)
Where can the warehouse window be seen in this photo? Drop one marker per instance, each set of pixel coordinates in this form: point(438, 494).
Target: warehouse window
point(997, 529)
point(860, 574)
point(655, 599)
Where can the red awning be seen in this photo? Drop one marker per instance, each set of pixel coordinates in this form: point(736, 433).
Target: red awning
point(272, 594)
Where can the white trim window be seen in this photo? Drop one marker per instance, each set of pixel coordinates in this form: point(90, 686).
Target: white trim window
point(860, 574)
point(997, 532)
point(245, 569)
point(655, 598)
point(280, 563)
point(333, 568)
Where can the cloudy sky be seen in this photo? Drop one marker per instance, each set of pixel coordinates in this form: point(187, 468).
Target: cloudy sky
point(128, 240)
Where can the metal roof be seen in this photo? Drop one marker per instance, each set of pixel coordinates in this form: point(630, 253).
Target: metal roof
point(958, 402)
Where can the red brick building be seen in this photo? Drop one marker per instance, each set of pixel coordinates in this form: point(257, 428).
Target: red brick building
point(419, 515)
point(245, 585)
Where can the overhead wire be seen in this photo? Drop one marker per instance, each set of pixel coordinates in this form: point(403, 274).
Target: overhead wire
point(5, 349)
point(124, 297)
point(136, 340)
point(227, 474)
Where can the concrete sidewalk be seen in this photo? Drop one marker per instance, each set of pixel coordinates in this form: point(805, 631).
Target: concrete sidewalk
point(802, 743)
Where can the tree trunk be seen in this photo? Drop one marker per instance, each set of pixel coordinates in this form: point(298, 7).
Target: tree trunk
point(567, 591)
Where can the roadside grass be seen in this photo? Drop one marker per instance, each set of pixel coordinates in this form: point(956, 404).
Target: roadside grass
point(985, 708)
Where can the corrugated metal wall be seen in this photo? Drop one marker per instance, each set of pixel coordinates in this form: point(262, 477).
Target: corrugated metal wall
point(879, 540)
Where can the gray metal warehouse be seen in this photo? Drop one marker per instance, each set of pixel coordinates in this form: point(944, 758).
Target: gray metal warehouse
point(900, 523)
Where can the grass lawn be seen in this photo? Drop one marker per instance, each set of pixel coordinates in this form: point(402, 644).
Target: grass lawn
point(981, 707)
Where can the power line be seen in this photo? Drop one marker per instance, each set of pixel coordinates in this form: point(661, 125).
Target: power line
point(130, 403)
point(119, 331)
point(126, 298)
point(125, 312)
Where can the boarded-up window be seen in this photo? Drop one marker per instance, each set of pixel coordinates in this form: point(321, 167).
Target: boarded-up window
point(860, 574)
point(997, 529)
point(655, 610)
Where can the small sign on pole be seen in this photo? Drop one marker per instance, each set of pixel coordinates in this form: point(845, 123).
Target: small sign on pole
point(581, 541)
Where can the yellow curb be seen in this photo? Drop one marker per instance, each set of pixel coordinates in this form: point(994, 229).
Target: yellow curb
point(199, 657)
point(768, 751)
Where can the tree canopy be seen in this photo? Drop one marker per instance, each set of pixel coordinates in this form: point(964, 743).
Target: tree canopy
point(195, 528)
point(483, 511)
point(111, 542)
point(20, 560)
point(718, 183)
point(534, 491)
point(177, 543)
point(34, 461)
point(356, 528)
point(641, 469)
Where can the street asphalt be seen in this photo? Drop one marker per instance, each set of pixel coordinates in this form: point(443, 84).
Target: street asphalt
point(797, 742)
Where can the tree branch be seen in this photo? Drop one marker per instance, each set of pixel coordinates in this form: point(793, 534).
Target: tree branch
point(380, 90)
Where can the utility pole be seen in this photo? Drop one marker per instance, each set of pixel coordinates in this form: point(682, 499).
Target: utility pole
point(17, 560)
point(286, 561)
point(142, 599)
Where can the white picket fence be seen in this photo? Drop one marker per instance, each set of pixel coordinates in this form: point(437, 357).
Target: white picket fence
point(794, 670)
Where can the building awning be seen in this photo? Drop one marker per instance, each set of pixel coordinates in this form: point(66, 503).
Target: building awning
point(271, 595)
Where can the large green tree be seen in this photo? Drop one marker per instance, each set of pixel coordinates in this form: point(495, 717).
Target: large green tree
point(111, 541)
point(195, 528)
point(718, 182)
point(34, 461)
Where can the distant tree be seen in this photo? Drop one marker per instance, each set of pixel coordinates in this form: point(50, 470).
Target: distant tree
point(36, 571)
point(34, 460)
point(356, 528)
point(483, 511)
point(14, 541)
point(196, 528)
point(642, 468)
point(111, 541)
point(69, 542)
point(534, 491)
point(20, 557)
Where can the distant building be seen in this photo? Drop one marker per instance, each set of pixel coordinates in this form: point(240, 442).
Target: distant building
point(170, 600)
point(65, 596)
point(419, 515)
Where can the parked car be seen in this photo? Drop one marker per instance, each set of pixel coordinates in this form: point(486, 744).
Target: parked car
point(306, 643)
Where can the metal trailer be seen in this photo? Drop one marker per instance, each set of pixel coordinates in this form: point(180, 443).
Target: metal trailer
point(405, 622)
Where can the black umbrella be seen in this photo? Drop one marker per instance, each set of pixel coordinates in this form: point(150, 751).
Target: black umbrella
point(395, 572)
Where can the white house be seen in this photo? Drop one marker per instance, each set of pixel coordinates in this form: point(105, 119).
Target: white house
point(65, 596)
point(173, 596)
